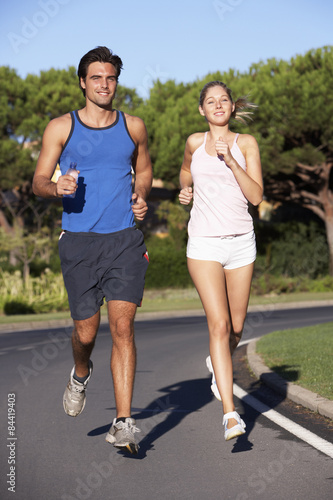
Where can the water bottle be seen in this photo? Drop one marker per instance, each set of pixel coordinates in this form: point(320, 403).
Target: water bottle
point(74, 173)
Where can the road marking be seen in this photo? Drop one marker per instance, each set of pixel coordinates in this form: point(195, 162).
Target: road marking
point(245, 342)
point(297, 430)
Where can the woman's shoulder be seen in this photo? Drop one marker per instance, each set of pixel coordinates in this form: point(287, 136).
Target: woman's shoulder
point(246, 140)
point(194, 141)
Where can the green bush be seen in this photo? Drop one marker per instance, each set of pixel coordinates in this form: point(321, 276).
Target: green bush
point(168, 269)
point(292, 249)
point(167, 265)
point(266, 283)
point(45, 293)
point(13, 307)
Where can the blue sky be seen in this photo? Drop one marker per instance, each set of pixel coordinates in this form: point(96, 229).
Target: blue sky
point(180, 40)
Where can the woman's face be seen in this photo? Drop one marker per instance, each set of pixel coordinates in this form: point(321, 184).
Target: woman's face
point(217, 106)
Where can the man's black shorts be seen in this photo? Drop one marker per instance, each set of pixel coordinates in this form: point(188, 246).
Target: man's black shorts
point(97, 266)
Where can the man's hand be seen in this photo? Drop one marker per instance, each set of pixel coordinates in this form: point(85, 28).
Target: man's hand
point(66, 184)
point(139, 206)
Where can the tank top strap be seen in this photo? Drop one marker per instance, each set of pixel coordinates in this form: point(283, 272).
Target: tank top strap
point(205, 139)
point(75, 116)
point(235, 140)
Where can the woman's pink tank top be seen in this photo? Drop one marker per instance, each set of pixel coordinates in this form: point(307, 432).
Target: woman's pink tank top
point(219, 206)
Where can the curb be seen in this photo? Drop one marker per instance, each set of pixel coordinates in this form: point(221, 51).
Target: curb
point(142, 316)
point(294, 392)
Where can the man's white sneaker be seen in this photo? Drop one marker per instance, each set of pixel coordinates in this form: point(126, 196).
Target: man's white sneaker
point(121, 435)
point(74, 399)
point(236, 430)
point(213, 386)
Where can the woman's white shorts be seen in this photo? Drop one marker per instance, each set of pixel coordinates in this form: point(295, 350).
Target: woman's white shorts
point(230, 251)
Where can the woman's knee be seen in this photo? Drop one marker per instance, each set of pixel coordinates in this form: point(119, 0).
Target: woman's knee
point(220, 329)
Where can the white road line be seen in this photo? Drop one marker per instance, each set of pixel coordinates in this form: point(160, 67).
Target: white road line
point(244, 342)
point(297, 430)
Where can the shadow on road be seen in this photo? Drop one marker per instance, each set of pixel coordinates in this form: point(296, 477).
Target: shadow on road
point(166, 412)
point(180, 399)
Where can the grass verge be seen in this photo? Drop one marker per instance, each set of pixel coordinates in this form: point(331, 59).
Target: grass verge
point(302, 356)
point(170, 299)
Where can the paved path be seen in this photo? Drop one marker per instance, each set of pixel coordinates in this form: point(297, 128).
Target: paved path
point(182, 451)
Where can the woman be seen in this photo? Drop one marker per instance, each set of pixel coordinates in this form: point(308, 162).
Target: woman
point(225, 170)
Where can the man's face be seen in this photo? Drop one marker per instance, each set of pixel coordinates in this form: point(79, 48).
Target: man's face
point(100, 83)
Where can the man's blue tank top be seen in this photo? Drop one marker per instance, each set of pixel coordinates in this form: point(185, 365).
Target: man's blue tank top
point(103, 201)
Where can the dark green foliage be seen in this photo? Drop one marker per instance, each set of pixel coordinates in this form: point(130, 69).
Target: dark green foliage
point(16, 307)
point(167, 265)
point(292, 249)
point(293, 125)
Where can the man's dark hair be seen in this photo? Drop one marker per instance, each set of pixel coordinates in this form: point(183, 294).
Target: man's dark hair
point(99, 54)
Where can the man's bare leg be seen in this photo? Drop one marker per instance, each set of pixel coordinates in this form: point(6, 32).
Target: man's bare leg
point(123, 356)
point(83, 341)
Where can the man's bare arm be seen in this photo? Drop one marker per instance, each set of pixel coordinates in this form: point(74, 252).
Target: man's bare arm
point(54, 139)
point(142, 167)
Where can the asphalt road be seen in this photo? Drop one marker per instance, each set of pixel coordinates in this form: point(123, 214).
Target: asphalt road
point(182, 454)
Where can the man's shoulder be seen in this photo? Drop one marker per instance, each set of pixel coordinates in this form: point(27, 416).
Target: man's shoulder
point(136, 127)
point(133, 120)
point(59, 126)
point(60, 121)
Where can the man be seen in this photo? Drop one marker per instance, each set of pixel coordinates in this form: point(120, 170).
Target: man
point(102, 254)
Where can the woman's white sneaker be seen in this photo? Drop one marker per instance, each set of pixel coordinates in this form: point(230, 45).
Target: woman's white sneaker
point(236, 430)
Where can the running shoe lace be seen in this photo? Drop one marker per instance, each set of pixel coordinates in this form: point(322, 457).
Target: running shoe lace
point(129, 429)
point(76, 392)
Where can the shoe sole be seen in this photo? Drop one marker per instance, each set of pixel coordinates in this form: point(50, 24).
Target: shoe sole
point(234, 434)
point(213, 387)
point(133, 448)
point(215, 391)
point(209, 364)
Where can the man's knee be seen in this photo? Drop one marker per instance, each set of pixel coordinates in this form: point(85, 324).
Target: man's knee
point(122, 329)
point(84, 336)
point(121, 319)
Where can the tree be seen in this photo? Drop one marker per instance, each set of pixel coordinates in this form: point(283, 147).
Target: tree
point(170, 117)
point(294, 125)
point(26, 246)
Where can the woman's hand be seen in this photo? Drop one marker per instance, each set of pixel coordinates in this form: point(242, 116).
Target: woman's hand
point(185, 195)
point(223, 150)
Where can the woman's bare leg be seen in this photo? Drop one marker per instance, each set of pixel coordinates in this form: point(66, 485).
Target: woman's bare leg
point(224, 295)
point(238, 282)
